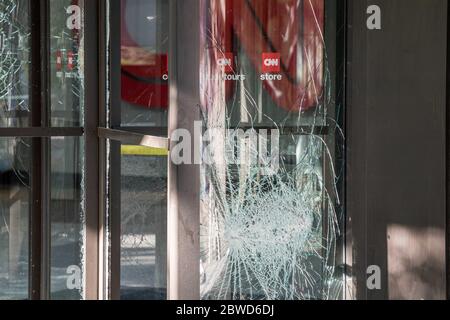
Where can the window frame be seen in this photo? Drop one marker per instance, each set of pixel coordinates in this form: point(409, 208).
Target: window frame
point(110, 130)
point(183, 215)
point(102, 74)
point(41, 132)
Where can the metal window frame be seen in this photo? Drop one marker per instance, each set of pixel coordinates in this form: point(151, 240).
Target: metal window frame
point(183, 243)
point(184, 180)
point(183, 212)
point(91, 149)
point(103, 47)
point(183, 219)
point(133, 138)
point(112, 134)
point(41, 132)
point(103, 73)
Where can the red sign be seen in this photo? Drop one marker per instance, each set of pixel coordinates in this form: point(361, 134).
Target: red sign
point(70, 61)
point(59, 59)
point(226, 62)
point(144, 73)
point(271, 62)
point(256, 25)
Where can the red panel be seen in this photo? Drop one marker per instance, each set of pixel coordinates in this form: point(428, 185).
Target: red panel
point(271, 26)
point(142, 81)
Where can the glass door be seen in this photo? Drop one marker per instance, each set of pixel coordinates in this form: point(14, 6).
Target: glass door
point(271, 219)
point(159, 149)
point(225, 150)
point(136, 145)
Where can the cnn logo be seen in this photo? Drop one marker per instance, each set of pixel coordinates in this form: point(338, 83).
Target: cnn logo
point(226, 62)
point(271, 62)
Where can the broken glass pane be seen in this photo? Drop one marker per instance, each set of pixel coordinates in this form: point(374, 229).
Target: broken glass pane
point(14, 63)
point(269, 218)
point(66, 62)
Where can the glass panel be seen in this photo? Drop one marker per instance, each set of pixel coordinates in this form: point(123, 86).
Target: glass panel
point(142, 190)
point(14, 217)
point(66, 63)
point(269, 218)
point(144, 66)
point(14, 63)
point(67, 218)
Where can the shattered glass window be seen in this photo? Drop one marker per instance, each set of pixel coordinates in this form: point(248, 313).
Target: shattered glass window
point(15, 158)
point(14, 63)
point(270, 205)
point(66, 63)
point(14, 217)
point(66, 154)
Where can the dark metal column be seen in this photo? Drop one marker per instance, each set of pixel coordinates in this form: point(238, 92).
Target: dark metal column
point(36, 210)
point(39, 224)
point(115, 155)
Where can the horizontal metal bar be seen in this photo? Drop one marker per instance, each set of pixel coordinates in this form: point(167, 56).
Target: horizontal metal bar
point(39, 132)
point(152, 131)
point(15, 113)
point(132, 138)
point(295, 130)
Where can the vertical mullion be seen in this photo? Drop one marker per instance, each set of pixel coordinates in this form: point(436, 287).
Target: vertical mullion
point(184, 180)
point(45, 151)
point(172, 197)
point(115, 120)
point(91, 118)
point(447, 234)
point(102, 122)
point(341, 85)
point(36, 209)
point(39, 225)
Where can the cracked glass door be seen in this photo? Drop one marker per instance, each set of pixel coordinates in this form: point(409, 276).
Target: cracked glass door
point(271, 211)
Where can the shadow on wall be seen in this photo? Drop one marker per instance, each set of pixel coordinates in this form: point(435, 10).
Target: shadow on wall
point(415, 257)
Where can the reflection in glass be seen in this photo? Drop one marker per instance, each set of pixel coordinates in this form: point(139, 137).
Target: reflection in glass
point(67, 218)
point(143, 196)
point(67, 62)
point(14, 217)
point(14, 63)
point(144, 66)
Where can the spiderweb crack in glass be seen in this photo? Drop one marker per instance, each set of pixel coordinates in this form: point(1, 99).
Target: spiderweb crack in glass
point(264, 231)
point(10, 54)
